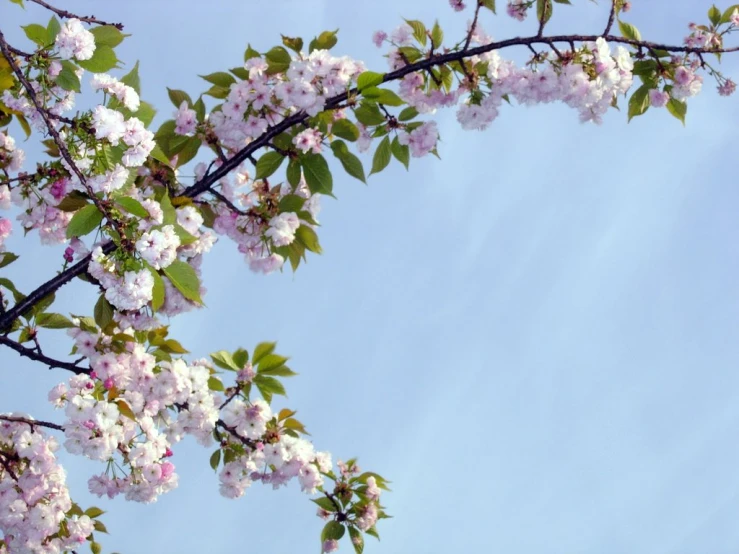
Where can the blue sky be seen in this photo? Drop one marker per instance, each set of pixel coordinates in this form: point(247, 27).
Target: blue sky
point(534, 338)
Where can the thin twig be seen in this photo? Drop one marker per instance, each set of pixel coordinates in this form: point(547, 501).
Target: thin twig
point(611, 18)
point(32, 422)
point(43, 358)
point(69, 15)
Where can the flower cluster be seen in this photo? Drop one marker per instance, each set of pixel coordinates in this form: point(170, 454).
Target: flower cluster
point(11, 157)
point(74, 41)
point(126, 95)
point(34, 499)
point(135, 407)
point(111, 126)
point(269, 456)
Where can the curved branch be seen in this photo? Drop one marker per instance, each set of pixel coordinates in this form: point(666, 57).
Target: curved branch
point(32, 422)
point(39, 357)
point(47, 288)
point(69, 15)
point(334, 103)
point(5, 49)
point(611, 18)
point(206, 182)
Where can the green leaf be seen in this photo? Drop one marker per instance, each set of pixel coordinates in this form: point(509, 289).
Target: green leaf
point(178, 97)
point(125, 409)
point(278, 60)
point(293, 173)
point(382, 96)
point(407, 114)
point(325, 503)
point(279, 371)
point(96, 547)
point(84, 221)
point(132, 79)
point(332, 530)
point(214, 383)
point(639, 102)
point(270, 361)
point(357, 540)
point(629, 31)
point(215, 459)
point(52, 29)
point(8, 284)
point(369, 79)
point(240, 357)
point(369, 114)
point(45, 302)
point(263, 349)
point(437, 35)
point(100, 526)
point(199, 108)
point(726, 17)
point(325, 41)
point(158, 292)
point(268, 164)
point(7, 258)
point(185, 280)
point(189, 150)
point(351, 163)
point(107, 35)
point(103, 59)
point(220, 78)
point(132, 206)
point(291, 203)
point(269, 386)
point(94, 512)
point(345, 129)
point(714, 15)
point(543, 10)
point(53, 321)
point(224, 360)
point(678, 109)
point(67, 78)
point(317, 174)
point(419, 31)
point(382, 156)
point(489, 4)
point(400, 151)
point(185, 237)
point(37, 33)
point(103, 312)
point(19, 2)
point(250, 53)
point(293, 43)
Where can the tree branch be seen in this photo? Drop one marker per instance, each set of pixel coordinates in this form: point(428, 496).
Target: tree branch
point(247, 152)
point(69, 15)
point(32, 422)
point(4, 48)
point(611, 18)
point(39, 357)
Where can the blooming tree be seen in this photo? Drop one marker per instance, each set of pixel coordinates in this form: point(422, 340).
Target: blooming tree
point(111, 190)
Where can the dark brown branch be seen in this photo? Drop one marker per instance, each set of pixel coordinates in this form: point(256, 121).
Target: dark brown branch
point(247, 152)
point(227, 202)
point(231, 431)
point(472, 27)
point(611, 18)
point(4, 48)
point(206, 182)
point(4, 459)
point(32, 422)
point(69, 15)
point(39, 357)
